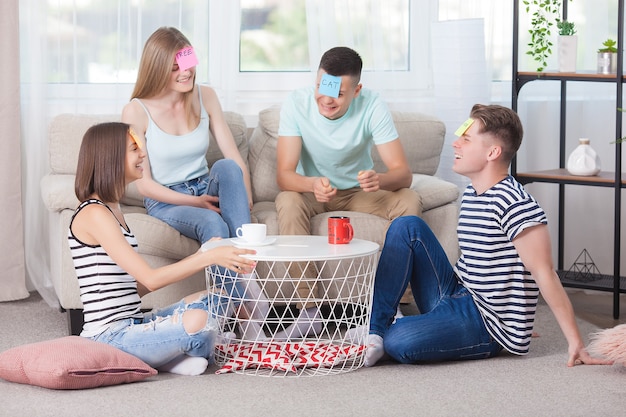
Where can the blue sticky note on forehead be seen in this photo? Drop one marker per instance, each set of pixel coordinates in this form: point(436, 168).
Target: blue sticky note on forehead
point(330, 85)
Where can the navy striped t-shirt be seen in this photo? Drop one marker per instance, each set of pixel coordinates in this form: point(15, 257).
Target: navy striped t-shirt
point(490, 267)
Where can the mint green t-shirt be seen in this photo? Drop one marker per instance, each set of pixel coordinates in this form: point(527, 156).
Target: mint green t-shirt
point(337, 149)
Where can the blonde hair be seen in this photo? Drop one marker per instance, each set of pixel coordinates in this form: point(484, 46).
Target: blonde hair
point(155, 67)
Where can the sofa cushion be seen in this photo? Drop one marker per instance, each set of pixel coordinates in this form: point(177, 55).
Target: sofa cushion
point(65, 136)
point(239, 130)
point(262, 159)
point(422, 138)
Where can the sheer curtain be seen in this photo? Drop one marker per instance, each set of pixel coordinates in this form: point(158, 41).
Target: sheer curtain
point(54, 79)
point(12, 281)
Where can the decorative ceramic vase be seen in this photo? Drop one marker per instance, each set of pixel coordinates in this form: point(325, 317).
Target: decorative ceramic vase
point(567, 46)
point(584, 161)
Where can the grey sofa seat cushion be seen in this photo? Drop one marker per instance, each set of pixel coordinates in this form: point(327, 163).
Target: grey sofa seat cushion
point(159, 239)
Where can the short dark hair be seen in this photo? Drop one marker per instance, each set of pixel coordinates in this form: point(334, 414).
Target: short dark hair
point(102, 162)
point(503, 123)
point(340, 61)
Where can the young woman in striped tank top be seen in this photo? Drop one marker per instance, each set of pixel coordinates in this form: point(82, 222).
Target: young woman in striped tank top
point(113, 276)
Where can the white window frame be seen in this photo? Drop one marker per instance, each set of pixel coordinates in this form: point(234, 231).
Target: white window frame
point(247, 92)
point(224, 32)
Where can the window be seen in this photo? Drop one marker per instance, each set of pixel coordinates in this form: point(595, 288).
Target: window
point(100, 41)
point(273, 36)
point(276, 34)
point(290, 37)
point(253, 52)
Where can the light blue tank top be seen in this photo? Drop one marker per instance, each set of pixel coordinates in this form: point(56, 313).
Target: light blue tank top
point(175, 159)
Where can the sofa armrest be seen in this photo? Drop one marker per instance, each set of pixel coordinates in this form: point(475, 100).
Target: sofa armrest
point(434, 191)
point(57, 192)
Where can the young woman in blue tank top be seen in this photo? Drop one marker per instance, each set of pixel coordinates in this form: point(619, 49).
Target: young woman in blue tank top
point(173, 114)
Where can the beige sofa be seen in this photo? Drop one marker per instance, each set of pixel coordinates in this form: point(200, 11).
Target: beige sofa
point(422, 137)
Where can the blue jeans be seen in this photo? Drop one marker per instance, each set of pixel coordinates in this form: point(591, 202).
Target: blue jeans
point(160, 336)
point(225, 181)
point(449, 326)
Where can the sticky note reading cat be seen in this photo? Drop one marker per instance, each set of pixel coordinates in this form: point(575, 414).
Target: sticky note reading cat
point(330, 85)
point(463, 128)
point(186, 58)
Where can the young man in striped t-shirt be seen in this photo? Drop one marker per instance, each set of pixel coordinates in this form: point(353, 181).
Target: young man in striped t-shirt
point(487, 301)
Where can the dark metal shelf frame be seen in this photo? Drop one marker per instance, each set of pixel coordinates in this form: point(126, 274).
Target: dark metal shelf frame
point(616, 180)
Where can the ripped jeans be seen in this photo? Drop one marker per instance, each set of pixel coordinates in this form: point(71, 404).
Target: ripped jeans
point(160, 336)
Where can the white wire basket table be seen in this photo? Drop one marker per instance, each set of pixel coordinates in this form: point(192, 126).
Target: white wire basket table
point(339, 279)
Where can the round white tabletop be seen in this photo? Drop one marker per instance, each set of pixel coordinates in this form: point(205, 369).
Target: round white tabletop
point(300, 248)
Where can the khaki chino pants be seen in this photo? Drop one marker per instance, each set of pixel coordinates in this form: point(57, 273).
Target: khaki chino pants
point(295, 211)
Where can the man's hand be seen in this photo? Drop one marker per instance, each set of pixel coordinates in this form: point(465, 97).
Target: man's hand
point(322, 190)
point(368, 180)
point(579, 356)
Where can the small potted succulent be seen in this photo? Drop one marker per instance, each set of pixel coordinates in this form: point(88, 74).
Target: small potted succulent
point(607, 57)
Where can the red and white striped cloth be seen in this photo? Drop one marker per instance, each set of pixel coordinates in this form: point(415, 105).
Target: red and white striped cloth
point(285, 356)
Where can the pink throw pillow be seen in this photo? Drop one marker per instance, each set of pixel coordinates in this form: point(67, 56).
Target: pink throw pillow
point(71, 362)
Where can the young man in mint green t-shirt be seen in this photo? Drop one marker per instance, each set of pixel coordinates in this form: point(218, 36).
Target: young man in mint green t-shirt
point(325, 138)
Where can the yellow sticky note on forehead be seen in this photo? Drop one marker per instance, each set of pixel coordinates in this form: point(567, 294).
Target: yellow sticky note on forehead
point(133, 135)
point(463, 128)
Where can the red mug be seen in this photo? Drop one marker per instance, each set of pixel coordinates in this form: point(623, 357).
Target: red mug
point(339, 230)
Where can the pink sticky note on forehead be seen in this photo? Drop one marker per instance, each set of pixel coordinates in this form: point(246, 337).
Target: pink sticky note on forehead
point(186, 58)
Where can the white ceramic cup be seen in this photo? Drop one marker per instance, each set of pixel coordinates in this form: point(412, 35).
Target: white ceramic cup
point(252, 232)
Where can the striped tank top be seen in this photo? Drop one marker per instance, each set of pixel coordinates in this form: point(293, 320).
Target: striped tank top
point(490, 267)
point(108, 293)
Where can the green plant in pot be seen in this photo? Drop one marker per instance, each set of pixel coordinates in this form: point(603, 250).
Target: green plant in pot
point(607, 57)
point(565, 27)
point(543, 15)
point(609, 46)
point(567, 45)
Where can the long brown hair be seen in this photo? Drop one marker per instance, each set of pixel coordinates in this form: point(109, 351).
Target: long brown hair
point(155, 67)
point(102, 162)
